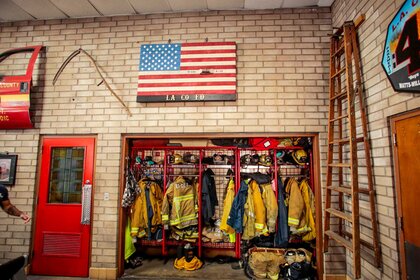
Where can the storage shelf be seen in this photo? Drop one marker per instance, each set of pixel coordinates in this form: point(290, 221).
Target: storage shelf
point(178, 242)
point(221, 166)
point(152, 243)
point(183, 165)
point(205, 160)
point(219, 245)
point(152, 166)
point(245, 166)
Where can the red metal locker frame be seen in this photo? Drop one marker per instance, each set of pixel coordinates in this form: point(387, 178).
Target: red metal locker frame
point(237, 186)
point(221, 245)
point(237, 167)
point(167, 151)
point(200, 230)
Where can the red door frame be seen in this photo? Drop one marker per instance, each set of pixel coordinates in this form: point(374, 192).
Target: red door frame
point(44, 172)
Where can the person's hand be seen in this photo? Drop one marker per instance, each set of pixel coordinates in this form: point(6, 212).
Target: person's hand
point(25, 218)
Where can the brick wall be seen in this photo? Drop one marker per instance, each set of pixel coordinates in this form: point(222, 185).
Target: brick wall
point(382, 102)
point(282, 87)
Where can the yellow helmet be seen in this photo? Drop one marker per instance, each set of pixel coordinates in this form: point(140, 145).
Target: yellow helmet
point(175, 159)
point(265, 160)
point(300, 157)
point(286, 142)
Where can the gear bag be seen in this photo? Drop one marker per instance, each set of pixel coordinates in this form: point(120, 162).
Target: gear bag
point(263, 142)
point(299, 271)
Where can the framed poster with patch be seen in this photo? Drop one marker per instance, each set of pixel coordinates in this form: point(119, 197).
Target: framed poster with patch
point(8, 169)
point(187, 72)
point(401, 57)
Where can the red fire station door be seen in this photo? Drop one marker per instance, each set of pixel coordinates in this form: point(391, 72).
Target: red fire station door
point(62, 230)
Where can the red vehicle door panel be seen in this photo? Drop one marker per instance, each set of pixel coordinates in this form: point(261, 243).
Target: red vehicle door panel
point(15, 90)
point(62, 243)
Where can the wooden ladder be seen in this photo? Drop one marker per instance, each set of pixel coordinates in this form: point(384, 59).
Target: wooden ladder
point(343, 146)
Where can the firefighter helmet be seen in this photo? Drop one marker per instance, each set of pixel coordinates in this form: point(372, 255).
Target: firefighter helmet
point(218, 158)
point(265, 160)
point(148, 161)
point(303, 142)
point(286, 142)
point(175, 159)
point(255, 159)
point(230, 159)
point(190, 158)
point(246, 159)
point(280, 156)
point(303, 255)
point(300, 157)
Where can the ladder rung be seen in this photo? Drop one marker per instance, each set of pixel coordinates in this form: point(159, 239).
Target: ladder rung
point(341, 189)
point(338, 73)
point(339, 51)
point(364, 191)
point(340, 214)
point(340, 95)
point(339, 165)
point(339, 118)
point(340, 239)
point(340, 141)
point(363, 242)
point(346, 140)
point(347, 190)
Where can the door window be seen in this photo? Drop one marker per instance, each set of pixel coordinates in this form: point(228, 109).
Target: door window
point(66, 175)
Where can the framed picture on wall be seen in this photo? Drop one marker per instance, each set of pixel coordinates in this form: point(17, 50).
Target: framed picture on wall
point(8, 169)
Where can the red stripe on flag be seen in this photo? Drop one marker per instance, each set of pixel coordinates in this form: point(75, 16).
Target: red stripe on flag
point(207, 51)
point(183, 60)
point(208, 44)
point(186, 92)
point(186, 76)
point(208, 67)
point(198, 84)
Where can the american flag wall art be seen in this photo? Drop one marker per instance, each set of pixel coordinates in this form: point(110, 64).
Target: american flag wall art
point(187, 72)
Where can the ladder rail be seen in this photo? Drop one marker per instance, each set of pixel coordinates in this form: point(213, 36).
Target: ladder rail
point(330, 154)
point(376, 247)
point(346, 86)
point(340, 147)
point(351, 124)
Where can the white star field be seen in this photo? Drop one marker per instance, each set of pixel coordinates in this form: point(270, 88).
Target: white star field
point(160, 57)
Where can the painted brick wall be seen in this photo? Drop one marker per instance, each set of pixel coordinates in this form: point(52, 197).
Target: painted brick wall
point(282, 87)
point(382, 102)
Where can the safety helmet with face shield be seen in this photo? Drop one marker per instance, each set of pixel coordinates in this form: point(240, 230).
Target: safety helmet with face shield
point(175, 159)
point(300, 157)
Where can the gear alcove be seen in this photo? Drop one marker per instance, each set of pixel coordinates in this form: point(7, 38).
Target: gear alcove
point(201, 181)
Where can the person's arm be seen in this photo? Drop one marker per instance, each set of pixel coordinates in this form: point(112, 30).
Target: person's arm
point(10, 209)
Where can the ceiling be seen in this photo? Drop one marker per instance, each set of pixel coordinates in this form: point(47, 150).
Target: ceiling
point(17, 10)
